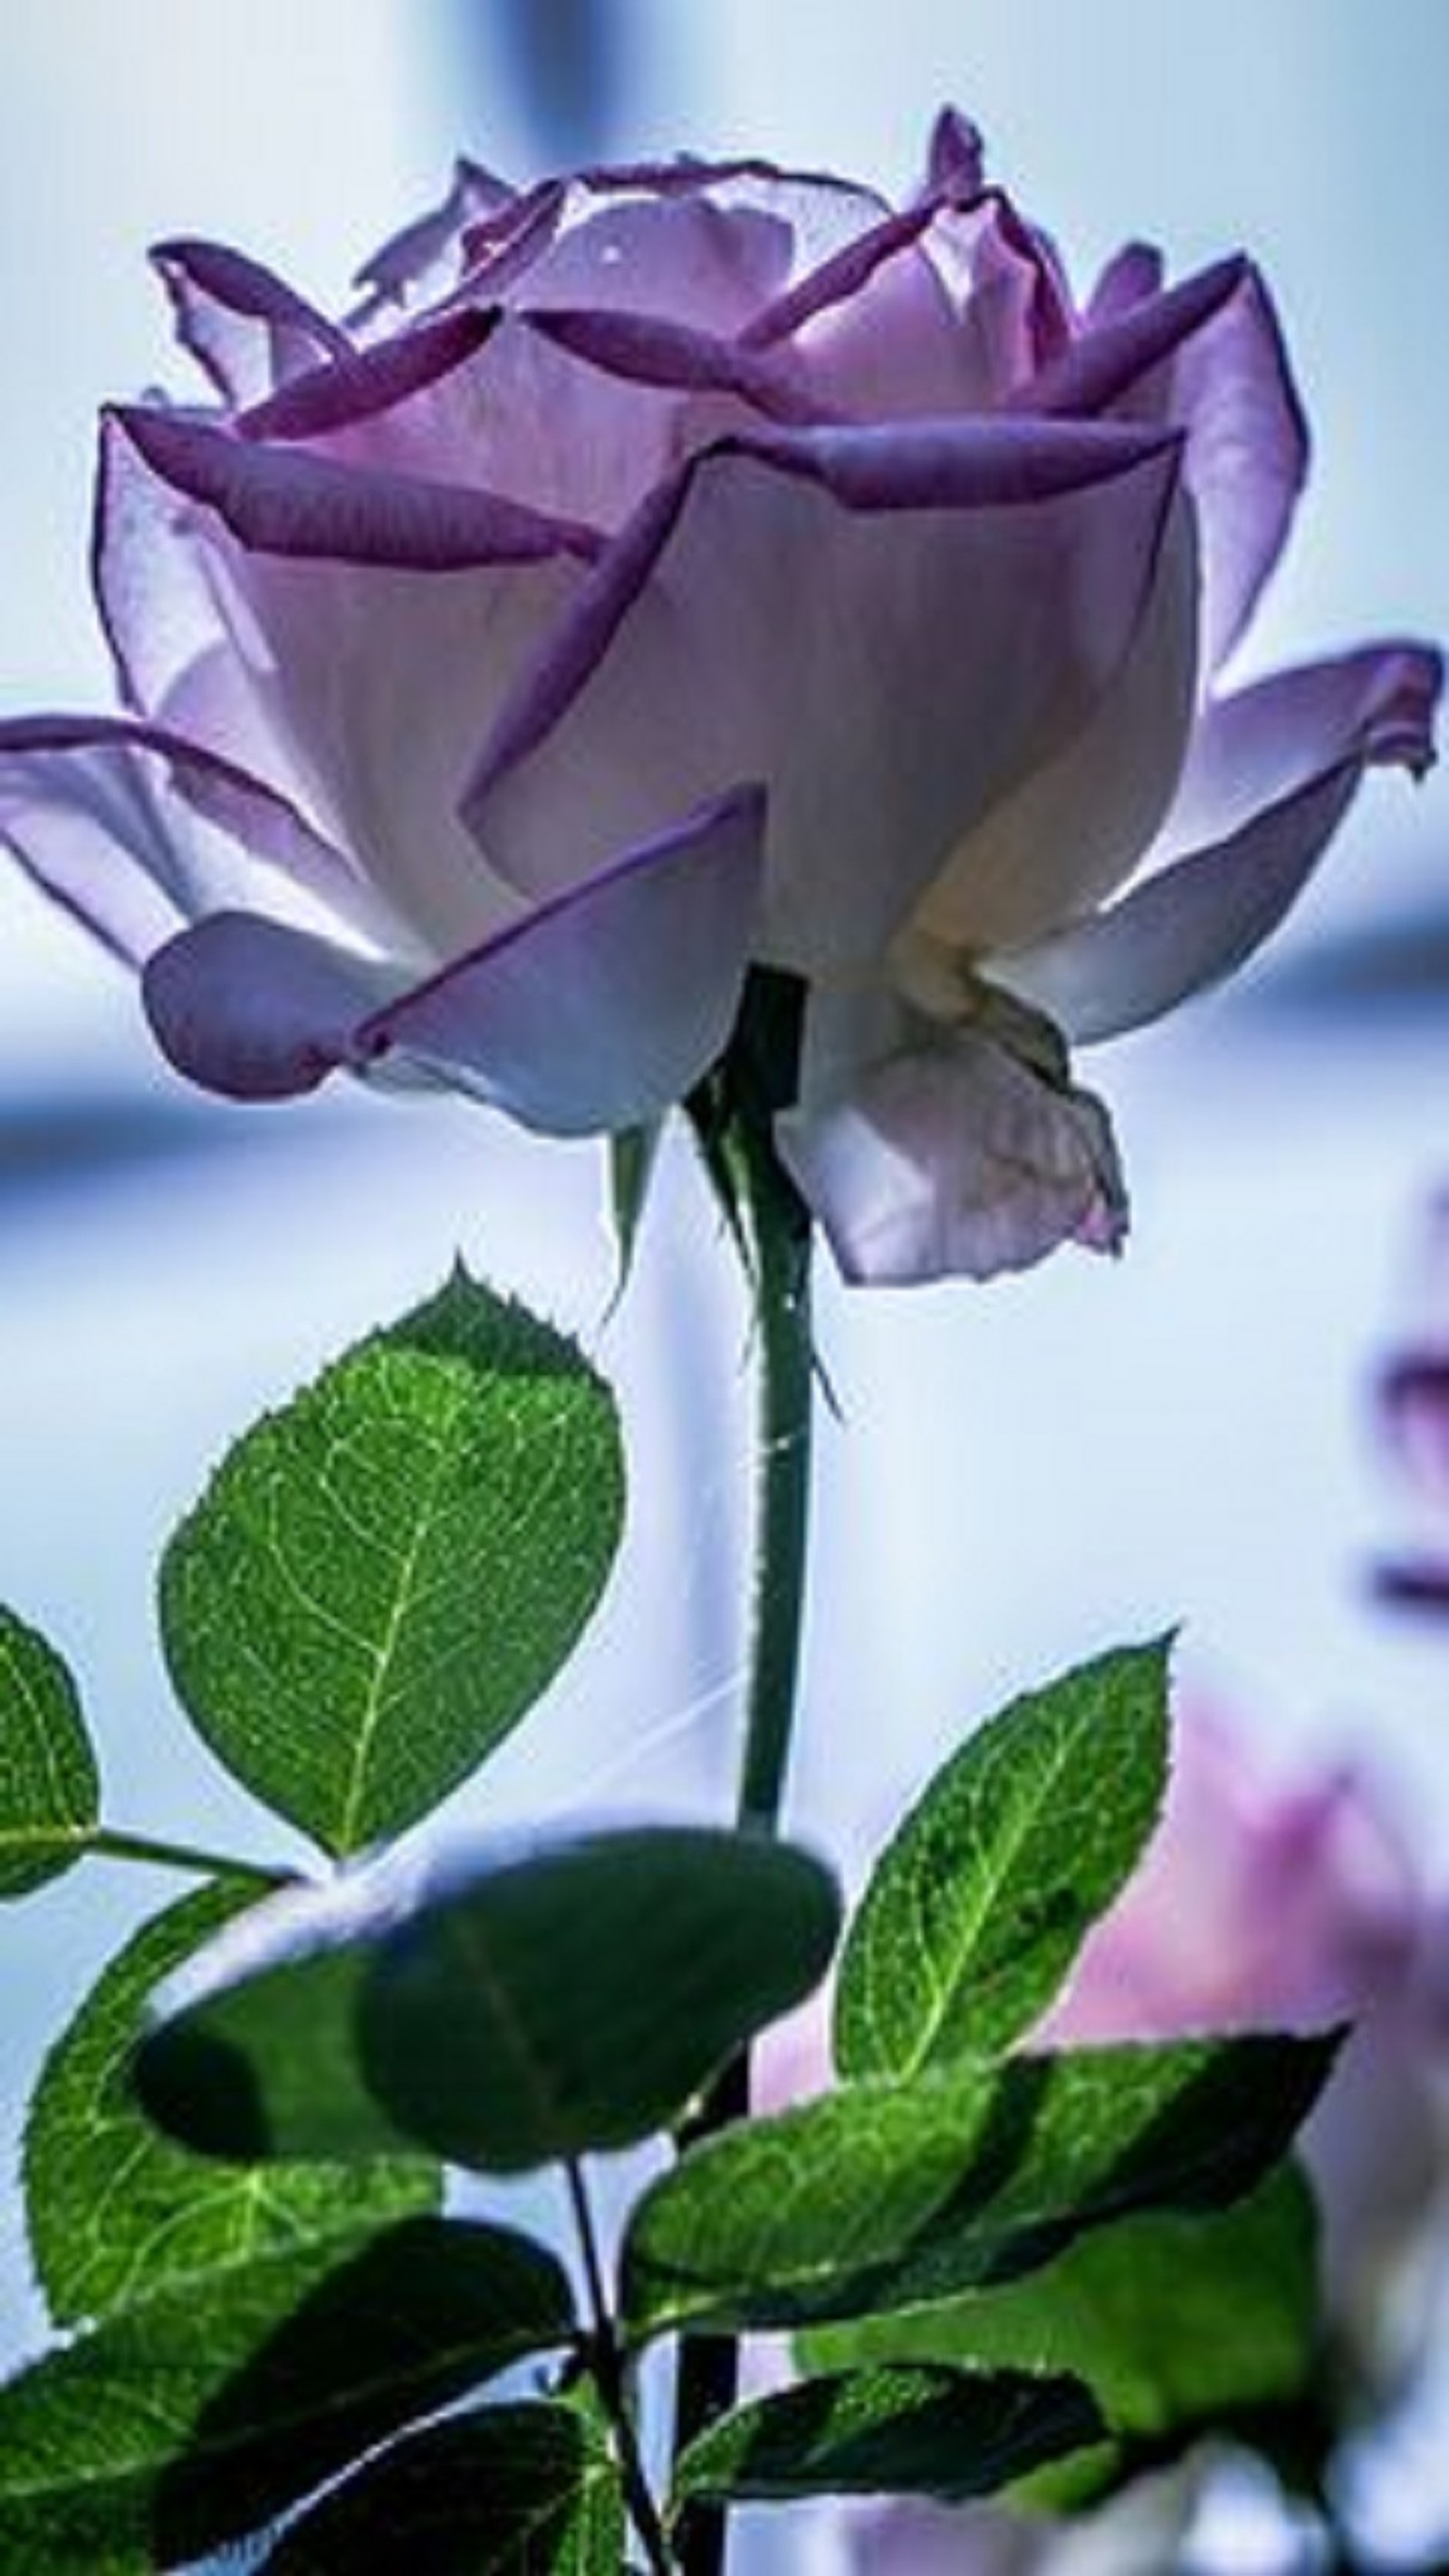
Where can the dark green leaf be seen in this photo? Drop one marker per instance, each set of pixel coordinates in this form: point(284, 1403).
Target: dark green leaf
point(894, 2431)
point(572, 2000)
point(633, 1154)
point(198, 2415)
point(115, 2209)
point(255, 2054)
point(49, 1793)
point(1170, 2321)
point(890, 2195)
point(382, 1577)
point(977, 1907)
point(527, 2490)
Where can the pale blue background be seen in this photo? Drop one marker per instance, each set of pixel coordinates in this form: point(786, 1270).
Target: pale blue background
point(1021, 1474)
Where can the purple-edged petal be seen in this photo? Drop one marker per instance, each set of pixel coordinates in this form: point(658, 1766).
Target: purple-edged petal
point(955, 158)
point(349, 390)
point(608, 1004)
point(377, 640)
point(892, 627)
point(875, 332)
point(256, 1010)
point(951, 1156)
point(283, 502)
point(136, 830)
point(1277, 771)
point(247, 329)
point(1076, 827)
point(1207, 356)
point(1131, 275)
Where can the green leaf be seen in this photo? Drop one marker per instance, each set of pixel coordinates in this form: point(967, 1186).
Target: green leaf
point(1170, 2321)
point(889, 2195)
point(198, 2415)
point(633, 1154)
point(977, 1907)
point(49, 1792)
point(383, 1577)
point(527, 2490)
point(533, 2010)
point(894, 2431)
point(114, 2208)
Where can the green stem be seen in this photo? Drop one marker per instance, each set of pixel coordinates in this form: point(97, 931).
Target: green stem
point(780, 1230)
point(777, 1229)
point(105, 1842)
point(606, 2365)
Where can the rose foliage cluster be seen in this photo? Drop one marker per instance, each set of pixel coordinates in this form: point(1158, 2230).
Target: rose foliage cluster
point(670, 570)
point(234, 2185)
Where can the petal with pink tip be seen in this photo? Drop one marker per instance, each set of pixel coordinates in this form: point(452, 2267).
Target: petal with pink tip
point(953, 1157)
point(1276, 769)
point(608, 1004)
point(892, 627)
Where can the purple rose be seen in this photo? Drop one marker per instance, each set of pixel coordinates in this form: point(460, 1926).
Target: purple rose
point(669, 569)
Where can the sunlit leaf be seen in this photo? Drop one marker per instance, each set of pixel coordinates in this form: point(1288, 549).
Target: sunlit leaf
point(49, 1792)
point(115, 2209)
point(383, 1576)
point(889, 2195)
point(977, 1907)
point(196, 2416)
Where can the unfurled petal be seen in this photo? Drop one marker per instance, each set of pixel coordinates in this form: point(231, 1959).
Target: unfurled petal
point(256, 1010)
point(953, 1156)
point(890, 626)
point(1131, 275)
point(1276, 770)
point(1077, 826)
point(607, 1005)
point(248, 329)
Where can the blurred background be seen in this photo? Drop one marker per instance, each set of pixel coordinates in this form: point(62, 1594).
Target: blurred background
point(1019, 1475)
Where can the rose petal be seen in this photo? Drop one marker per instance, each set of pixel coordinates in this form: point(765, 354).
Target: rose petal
point(256, 1010)
point(247, 329)
point(1276, 769)
point(1208, 356)
point(955, 158)
point(135, 829)
point(381, 664)
point(952, 1157)
point(791, 609)
point(608, 1004)
point(1076, 827)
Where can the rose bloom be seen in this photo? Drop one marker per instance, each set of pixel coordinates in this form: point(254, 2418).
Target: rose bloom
point(666, 570)
point(1271, 1903)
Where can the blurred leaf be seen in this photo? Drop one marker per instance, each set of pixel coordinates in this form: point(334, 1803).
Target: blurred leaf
point(383, 1577)
point(976, 1908)
point(197, 2415)
point(507, 2491)
point(114, 2209)
point(49, 1792)
point(885, 2196)
point(1169, 2321)
point(528, 2011)
point(907, 2431)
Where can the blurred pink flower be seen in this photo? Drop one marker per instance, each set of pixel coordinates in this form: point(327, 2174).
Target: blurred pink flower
point(1413, 1413)
point(669, 568)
